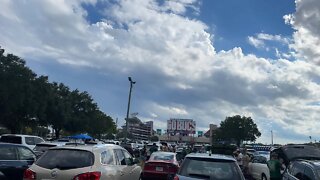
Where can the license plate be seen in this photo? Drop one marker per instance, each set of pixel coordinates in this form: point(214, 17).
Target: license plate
point(159, 168)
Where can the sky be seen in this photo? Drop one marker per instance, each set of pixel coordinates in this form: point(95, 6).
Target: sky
point(203, 60)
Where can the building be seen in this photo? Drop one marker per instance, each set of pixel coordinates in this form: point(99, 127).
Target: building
point(141, 131)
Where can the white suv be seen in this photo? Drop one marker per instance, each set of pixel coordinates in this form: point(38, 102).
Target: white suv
point(103, 161)
point(27, 140)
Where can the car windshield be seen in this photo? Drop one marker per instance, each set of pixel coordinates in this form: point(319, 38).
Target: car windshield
point(162, 156)
point(66, 159)
point(210, 169)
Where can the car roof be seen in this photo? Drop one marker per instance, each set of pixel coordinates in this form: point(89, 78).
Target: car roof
point(210, 156)
point(89, 147)
point(51, 143)
point(20, 135)
point(12, 144)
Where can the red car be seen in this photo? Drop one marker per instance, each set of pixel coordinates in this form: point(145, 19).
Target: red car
point(161, 165)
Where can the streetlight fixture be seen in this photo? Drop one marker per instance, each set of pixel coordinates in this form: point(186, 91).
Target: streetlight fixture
point(128, 109)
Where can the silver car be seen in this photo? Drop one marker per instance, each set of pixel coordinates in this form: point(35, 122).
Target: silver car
point(104, 161)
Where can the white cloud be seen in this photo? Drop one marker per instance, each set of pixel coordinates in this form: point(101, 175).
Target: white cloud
point(260, 39)
point(307, 35)
point(257, 43)
point(174, 56)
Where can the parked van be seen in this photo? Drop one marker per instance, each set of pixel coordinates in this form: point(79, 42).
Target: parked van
point(27, 140)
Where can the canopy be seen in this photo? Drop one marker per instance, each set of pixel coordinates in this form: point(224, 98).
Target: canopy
point(81, 136)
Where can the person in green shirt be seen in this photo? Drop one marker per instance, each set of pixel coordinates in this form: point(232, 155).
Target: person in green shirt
point(274, 166)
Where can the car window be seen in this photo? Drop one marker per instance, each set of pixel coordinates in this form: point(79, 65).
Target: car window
point(30, 140)
point(8, 153)
point(160, 156)
point(38, 140)
point(210, 169)
point(107, 157)
point(297, 170)
point(128, 158)
point(11, 139)
point(120, 157)
point(25, 154)
point(65, 159)
point(308, 174)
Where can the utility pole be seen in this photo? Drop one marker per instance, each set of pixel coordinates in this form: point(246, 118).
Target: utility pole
point(271, 138)
point(128, 109)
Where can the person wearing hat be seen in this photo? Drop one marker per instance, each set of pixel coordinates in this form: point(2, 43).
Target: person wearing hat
point(274, 166)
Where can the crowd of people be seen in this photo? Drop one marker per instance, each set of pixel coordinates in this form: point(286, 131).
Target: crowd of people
point(275, 164)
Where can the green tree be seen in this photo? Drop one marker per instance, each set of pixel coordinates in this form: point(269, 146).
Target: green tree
point(17, 102)
point(154, 138)
point(238, 128)
point(58, 110)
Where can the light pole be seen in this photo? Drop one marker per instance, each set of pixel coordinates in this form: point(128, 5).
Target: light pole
point(128, 109)
point(271, 138)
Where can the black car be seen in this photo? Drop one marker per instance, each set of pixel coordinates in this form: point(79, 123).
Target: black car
point(302, 169)
point(293, 152)
point(14, 159)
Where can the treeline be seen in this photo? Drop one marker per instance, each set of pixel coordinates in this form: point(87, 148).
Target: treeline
point(31, 101)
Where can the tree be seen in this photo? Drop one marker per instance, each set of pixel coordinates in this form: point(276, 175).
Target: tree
point(17, 102)
point(154, 138)
point(58, 110)
point(238, 128)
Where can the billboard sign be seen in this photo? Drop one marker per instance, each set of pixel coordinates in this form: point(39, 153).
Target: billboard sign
point(181, 126)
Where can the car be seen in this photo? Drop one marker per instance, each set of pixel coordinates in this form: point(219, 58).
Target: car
point(101, 161)
point(292, 152)
point(41, 148)
point(302, 169)
point(14, 160)
point(209, 166)
point(160, 165)
point(258, 168)
point(27, 140)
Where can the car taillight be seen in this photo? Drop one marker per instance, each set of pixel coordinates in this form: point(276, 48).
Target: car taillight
point(88, 176)
point(147, 166)
point(28, 174)
point(173, 168)
point(176, 178)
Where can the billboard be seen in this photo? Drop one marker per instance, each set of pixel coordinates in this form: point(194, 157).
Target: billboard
point(181, 126)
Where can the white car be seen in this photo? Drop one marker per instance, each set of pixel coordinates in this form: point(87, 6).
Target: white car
point(27, 140)
point(258, 167)
point(102, 161)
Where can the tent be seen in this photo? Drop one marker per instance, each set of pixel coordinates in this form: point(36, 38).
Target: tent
point(81, 136)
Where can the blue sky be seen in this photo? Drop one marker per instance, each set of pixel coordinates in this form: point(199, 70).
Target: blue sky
point(204, 60)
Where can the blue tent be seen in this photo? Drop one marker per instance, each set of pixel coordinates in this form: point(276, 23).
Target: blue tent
point(81, 136)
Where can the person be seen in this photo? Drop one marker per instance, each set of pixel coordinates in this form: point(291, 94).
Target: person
point(245, 163)
point(274, 166)
point(153, 148)
point(239, 158)
point(203, 149)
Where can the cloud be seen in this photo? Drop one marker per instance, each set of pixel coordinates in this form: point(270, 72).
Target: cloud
point(260, 39)
point(172, 58)
point(306, 37)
